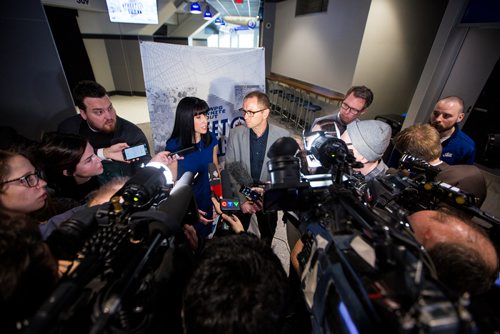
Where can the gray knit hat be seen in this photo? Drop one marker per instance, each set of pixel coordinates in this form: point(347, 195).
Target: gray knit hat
point(370, 138)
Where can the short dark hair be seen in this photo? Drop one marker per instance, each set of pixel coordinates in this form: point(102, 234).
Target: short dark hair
point(361, 92)
point(59, 152)
point(239, 287)
point(28, 271)
point(461, 268)
point(187, 108)
point(87, 88)
point(262, 98)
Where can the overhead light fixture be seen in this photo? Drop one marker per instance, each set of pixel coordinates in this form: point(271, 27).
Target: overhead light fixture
point(195, 8)
point(207, 15)
point(218, 21)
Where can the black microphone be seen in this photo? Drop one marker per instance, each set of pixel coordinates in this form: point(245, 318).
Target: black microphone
point(228, 201)
point(282, 147)
point(215, 180)
point(239, 173)
point(241, 176)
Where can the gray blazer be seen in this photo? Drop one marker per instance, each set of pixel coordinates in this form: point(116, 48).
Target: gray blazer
point(238, 148)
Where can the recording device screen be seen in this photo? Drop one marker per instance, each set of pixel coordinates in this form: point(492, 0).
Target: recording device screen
point(135, 152)
point(184, 151)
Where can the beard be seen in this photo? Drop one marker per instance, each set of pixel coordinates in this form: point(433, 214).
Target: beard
point(441, 128)
point(108, 127)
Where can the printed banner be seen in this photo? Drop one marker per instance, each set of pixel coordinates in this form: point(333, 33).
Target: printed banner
point(222, 77)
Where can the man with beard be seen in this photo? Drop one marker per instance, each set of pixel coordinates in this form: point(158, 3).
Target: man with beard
point(105, 131)
point(458, 148)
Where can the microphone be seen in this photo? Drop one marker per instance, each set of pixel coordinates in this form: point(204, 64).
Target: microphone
point(241, 176)
point(215, 180)
point(228, 202)
point(282, 147)
point(239, 173)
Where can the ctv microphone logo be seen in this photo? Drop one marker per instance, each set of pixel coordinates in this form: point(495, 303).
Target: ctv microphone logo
point(229, 205)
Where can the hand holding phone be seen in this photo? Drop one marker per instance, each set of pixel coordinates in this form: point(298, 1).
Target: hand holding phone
point(134, 152)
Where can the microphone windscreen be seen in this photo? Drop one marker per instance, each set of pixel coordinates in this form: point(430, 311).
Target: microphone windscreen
point(227, 191)
point(239, 173)
point(283, 146)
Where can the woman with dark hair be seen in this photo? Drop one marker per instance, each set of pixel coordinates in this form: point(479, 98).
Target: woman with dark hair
point(191, 128)
point(69, 165)
point(22, 190)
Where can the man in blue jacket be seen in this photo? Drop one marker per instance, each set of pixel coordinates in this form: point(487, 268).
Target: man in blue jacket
point(458, 148)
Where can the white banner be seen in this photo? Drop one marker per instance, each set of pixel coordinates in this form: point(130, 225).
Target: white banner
point(222, 77)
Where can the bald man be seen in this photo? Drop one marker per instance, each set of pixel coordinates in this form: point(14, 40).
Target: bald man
point(458, 148)
point(464, 256)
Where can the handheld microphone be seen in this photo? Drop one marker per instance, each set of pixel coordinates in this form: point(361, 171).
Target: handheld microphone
point(215, 180)
point(240, 175)
point(228, 201)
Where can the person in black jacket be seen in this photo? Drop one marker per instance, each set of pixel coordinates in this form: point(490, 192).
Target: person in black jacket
point(105, 131)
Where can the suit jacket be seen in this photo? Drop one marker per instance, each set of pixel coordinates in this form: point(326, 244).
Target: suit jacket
point(238, 149)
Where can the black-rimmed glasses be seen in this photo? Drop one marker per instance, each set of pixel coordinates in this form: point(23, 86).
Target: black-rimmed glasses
point(250, 113)
point(30, 180)
point(347, 107)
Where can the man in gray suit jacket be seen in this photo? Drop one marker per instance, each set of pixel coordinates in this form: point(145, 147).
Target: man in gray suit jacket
point(249, 145)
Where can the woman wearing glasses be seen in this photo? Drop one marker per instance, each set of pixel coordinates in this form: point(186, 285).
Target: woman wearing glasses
point(22, 191)
point(69, 165)
point(191, 128)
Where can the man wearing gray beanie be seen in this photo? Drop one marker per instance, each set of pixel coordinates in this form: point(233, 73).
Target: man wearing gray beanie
point(368, 141)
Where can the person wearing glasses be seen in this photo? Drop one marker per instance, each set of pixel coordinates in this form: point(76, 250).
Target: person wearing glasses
point(22, 190)
point(356, 103)
point(191, 128)
point(70, 166)
point(249, 145)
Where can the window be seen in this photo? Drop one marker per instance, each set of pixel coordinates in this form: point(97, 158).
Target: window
point(310, 6)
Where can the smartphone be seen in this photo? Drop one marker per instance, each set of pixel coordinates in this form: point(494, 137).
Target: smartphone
point(229, 205)
point(184, 151)
point(135, 152)
point(250, 194)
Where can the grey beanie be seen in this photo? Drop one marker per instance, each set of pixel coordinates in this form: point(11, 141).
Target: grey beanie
point(370, 138)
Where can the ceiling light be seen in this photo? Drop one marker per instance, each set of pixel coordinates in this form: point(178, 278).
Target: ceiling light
point(195, 8)
point(218, 21)
point(207, 15)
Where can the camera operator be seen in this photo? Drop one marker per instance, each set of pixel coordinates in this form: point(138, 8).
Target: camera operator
point(423, 141)
point(464, 256)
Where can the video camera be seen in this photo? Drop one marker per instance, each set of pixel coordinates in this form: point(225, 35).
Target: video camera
point(127, 276)
point(362, 269)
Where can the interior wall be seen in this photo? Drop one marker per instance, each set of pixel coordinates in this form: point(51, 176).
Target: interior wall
point(320, 48)
point(394, 50)
point(35, 95)
point(474, 63)
point(98, 56)
point(126, 65)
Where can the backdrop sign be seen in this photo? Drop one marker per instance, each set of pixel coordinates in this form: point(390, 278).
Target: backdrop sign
point(222, 77)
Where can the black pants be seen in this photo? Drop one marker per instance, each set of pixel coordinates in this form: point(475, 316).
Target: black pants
point(267, 222)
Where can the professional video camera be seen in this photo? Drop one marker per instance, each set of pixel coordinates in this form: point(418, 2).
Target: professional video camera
point(362, 269)
point(128, 254)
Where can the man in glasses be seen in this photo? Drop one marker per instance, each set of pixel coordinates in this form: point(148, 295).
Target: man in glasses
point(105, 131)
point(356, 103)
point(249, 145)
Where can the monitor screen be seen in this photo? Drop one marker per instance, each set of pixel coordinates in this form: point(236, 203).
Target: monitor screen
point(133, 11)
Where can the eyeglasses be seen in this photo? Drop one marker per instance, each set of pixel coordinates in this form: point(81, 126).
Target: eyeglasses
point(250, 113)
point(347, 107)
point(30, 180)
